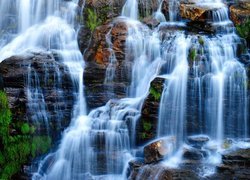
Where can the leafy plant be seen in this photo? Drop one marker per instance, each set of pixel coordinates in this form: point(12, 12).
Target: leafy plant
point(92, 19)
point(25, 129)
point(16, 150)
point(147, 126)
point(192, 54)
point(244, 30)
point(155, 94)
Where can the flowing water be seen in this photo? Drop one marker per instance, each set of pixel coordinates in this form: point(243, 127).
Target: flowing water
point(212, 88)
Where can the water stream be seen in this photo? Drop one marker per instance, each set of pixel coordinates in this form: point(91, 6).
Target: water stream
point(99, 145)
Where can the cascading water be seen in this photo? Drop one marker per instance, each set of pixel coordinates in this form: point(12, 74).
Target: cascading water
point(98, 146)
point(130, 9)
point(219, 83)
point(44, 27)
point(158, 14)
point(104, 134)
point(173, 101)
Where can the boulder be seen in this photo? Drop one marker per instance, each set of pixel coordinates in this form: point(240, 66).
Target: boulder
point(193, 154)
point(195, 12)
point(159, 149)
point(198, 141)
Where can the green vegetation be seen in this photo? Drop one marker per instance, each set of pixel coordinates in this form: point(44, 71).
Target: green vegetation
point(92, 20)
point(147, 127)
point(244, 30)
point(201, 41)
point(155, 94)
point(16, 148)
point(192, 54)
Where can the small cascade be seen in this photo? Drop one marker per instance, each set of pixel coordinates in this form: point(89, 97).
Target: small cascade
point(221, 86)
point(158, 14)
point(111, 69)
point(173, 102)
point(173, 7)
point(130, 9)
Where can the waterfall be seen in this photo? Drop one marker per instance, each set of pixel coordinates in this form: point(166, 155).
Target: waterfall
point(158, 14)
point(130, 9)
point(173, 101)
point(43, 27)
point(204, 90)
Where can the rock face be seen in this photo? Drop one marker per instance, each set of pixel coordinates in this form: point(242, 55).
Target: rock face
point(235, 164)
point(240, 13)
point(147, 124)
point(39, 91)
point(160, 172)
point(159, 149)
point(105, 56)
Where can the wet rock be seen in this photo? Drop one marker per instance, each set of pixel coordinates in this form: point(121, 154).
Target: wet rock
point(159, 149)
point(44, 71)
point(151, 22)
point(235, 164)
point(195, 12)
point(240, 13)
point(158, 171)
point(193, 154)
point(239, 158)
point(97, 57)
point(1, 83)
point(147, 124)
point(198, 141)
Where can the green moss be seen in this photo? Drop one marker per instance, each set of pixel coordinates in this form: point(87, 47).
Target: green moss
point(244, 29)
point(147, 126)
point(40, 145)
point(192, 54)
point(157, 95)
point(25, 129)
point(201, 41)
point(16, 150)
point(92, 19)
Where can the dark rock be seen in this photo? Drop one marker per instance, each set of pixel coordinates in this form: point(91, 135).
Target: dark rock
point(151, 22)
point(1, 83)
point(198, 141)
point(57, 95)
point(239, 157)
point(235, 164)
point(148, 172)
point(159, 149)
point(193, 154)
point(97, 58)
point(149, 113)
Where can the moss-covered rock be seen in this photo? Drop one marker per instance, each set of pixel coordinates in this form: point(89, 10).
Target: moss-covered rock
point(147, 124)
point(17, 149)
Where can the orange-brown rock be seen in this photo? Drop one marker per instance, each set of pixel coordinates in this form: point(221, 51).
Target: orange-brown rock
point(159, 149)
point(238, 14)
point(194, 12)
point(106, 39)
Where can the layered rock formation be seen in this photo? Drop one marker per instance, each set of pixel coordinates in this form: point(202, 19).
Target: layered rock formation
point(108, 41)
point(39, 77)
